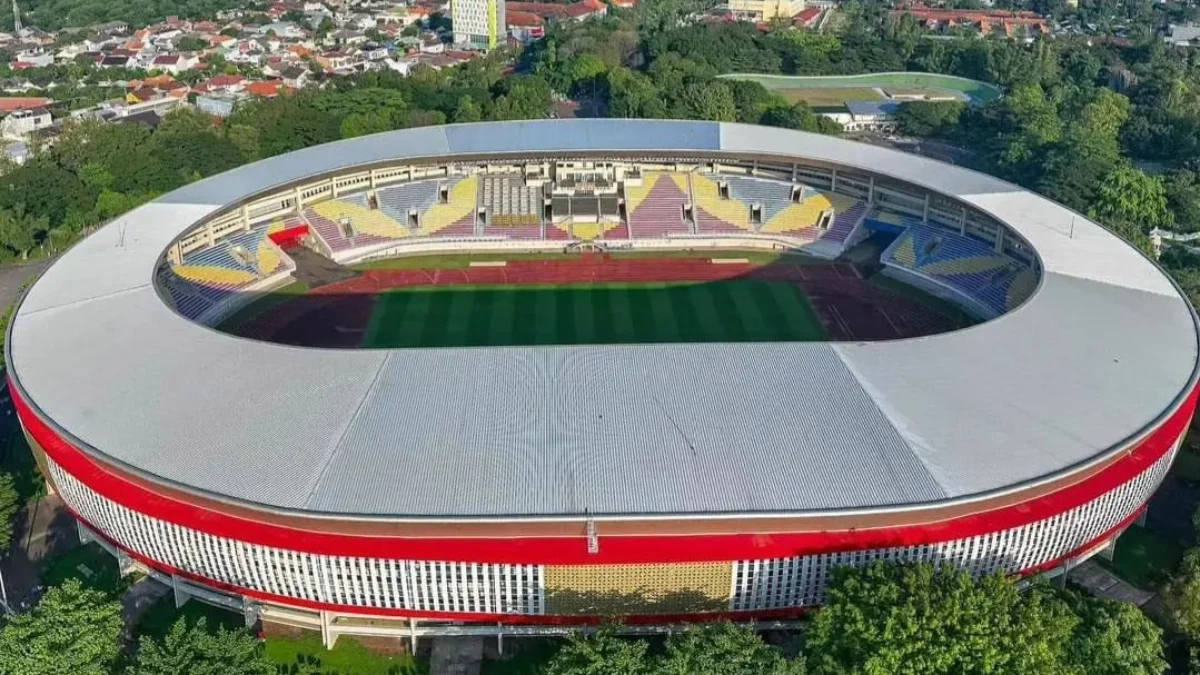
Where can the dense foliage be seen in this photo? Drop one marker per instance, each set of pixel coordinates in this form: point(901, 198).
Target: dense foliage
point(55, 14)
point(893, 620)
point(72, 631)
point(196, 650)
point(700, 650)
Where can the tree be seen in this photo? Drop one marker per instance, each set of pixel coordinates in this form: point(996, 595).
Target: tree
point(601, 654)
point(363, 124)
point(1131, 203)
point(724, 648)
point(10, 504)
point(467, 110)
point(1113, 638)
point(918, 619)
point(710, 100)
point(195, 650)
point(1182, 596)
point(929, 118)
point(72, 631)
point(799, 116)
point(20, 231)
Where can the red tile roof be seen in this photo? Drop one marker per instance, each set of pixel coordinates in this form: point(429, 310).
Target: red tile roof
point(11, 103)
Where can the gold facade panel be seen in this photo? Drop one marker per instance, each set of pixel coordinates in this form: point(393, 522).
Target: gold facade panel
point(613, 590)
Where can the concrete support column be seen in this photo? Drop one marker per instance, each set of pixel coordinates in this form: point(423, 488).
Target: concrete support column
point(85, 535)
point(412, 636)
point(180, 593)
point(1141, 519)
point(249, 613)
point(327, 636)
point(1109, 550)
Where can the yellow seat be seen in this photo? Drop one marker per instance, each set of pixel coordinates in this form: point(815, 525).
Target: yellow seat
point(362, 219)
point(459, 204)
point(707, 196)
point(207, 275)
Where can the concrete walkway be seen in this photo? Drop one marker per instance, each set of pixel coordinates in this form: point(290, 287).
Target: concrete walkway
point(1103, 583)
point(456, 656)
point(43, 528)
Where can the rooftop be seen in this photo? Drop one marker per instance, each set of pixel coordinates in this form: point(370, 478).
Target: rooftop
point(1100, 353)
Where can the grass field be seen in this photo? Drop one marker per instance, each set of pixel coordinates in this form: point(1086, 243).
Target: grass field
point(460, 316)
point(1145, 558)
point(975, 91)
point(830, 97)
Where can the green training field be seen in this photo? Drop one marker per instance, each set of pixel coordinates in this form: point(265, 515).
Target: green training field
point(932, 83)
point(722, 311)
point(833, 96)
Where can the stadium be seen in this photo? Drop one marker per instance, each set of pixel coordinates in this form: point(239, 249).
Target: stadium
point(511, 376)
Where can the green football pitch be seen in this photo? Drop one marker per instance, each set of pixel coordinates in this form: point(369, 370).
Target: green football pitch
point(506, 315)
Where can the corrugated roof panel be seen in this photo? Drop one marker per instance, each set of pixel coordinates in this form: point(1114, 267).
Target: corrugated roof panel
point(1103, 347)
point(619, 429)
point(1033, 391)
point(597, 134)
point(186, 403)
point(119, 257)
point(262, 175)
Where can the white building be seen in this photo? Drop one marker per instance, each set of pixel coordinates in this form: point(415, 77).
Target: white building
point(478, 24)
point(22, 123)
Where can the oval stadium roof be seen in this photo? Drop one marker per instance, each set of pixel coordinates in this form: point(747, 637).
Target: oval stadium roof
point(1100, 352)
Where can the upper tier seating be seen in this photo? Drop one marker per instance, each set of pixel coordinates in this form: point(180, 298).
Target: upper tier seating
point(714, 214)
point(514, 210)
point(235, 261)
point(962, 262)
point(848, 213)
point(399, 201)
point(655, 208)
point(799, 219)
point(774, 196)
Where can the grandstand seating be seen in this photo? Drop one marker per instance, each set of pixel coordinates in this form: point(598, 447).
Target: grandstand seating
point(398, 201)
point(716, 215)
point(514, 209)
point(455, 218)
point(774, 196)
point(848, 213)
point(190, 299)
point(961, 262)
point(655, 208)
point(798, 218)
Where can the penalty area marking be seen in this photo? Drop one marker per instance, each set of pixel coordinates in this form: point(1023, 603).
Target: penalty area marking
point(730, 261)
point(489, 263)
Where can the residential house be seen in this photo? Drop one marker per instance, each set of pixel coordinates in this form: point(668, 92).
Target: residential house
point(296, 77)
point(22, 124)
point(174, 63)
point(525, 26)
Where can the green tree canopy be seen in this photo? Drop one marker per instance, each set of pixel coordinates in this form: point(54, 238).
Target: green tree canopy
point(72, 631)
point(195, 650)
point(723, 648)
point(603, 653)
point(921, 620)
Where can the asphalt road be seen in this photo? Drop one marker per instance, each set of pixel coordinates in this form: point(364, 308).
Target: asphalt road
point(12, 277)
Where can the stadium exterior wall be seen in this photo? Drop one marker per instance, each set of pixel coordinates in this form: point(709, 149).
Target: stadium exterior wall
point(548, 580)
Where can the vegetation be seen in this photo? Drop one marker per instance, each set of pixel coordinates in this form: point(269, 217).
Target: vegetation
point(707, 648)
point(899, 619)
point(73, 631)
point(1145, 558)
point(305, 655)
point(55, 14)
point(192, 648)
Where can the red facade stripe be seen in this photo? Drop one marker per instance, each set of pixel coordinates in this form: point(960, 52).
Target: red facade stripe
point(613, 549)
point(766, 614)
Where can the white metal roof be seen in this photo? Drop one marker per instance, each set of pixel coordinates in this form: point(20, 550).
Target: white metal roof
point(1104, 348)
